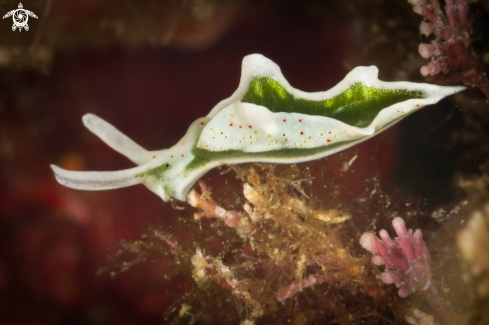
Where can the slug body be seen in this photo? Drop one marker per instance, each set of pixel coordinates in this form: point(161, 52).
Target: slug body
point(265, 120)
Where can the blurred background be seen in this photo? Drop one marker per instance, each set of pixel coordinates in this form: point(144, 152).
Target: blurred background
point(150, 68)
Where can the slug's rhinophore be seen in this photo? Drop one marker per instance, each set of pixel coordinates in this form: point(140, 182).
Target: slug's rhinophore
point(265, 120)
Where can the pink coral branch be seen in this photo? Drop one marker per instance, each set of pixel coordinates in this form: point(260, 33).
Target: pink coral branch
point(407, 264)
point(451, 10)
point(421, 8)
point(173, 245)
point(294, 288)
point(210, 209)
point(453, 57)
point(463, 11)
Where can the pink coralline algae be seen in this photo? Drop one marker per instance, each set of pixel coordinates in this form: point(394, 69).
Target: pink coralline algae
point(406, 259)
point(452, 56)
point(407, 264)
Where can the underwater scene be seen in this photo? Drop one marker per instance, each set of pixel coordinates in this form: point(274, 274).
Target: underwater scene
point(308, 162)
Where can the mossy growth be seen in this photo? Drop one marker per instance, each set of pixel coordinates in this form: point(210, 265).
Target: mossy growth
point(273, 254)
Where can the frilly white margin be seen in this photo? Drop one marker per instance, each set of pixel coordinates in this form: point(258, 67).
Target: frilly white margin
point(178, 179)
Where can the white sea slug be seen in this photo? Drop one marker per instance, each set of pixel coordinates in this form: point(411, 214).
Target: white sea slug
point(265, 120)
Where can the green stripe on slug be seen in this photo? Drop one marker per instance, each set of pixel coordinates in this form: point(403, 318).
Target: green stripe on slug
point(357, 106)
point(203, 157)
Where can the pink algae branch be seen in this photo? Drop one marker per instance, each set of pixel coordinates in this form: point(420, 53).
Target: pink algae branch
point(407, 264)
point(210, 209)
point(453, 57)
point(294, 288)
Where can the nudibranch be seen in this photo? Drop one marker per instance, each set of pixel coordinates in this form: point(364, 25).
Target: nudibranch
point(265, 120)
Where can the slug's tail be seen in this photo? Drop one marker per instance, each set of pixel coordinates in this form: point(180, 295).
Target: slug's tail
point(96, 181)
point(116, 139)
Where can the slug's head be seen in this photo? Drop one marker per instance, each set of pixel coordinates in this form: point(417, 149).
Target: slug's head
point(164, 172)
point(154, 179)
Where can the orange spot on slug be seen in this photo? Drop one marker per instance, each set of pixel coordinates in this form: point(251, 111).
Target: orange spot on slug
point(285, 120)
point(154, 157)
point(201, 123)
point(328, 140)
point(249, 126)
point(230, 124)
point(300, 121)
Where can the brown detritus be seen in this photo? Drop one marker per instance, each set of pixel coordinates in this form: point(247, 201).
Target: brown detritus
point(289, 245)
point(275, 260)
point(223, 276)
